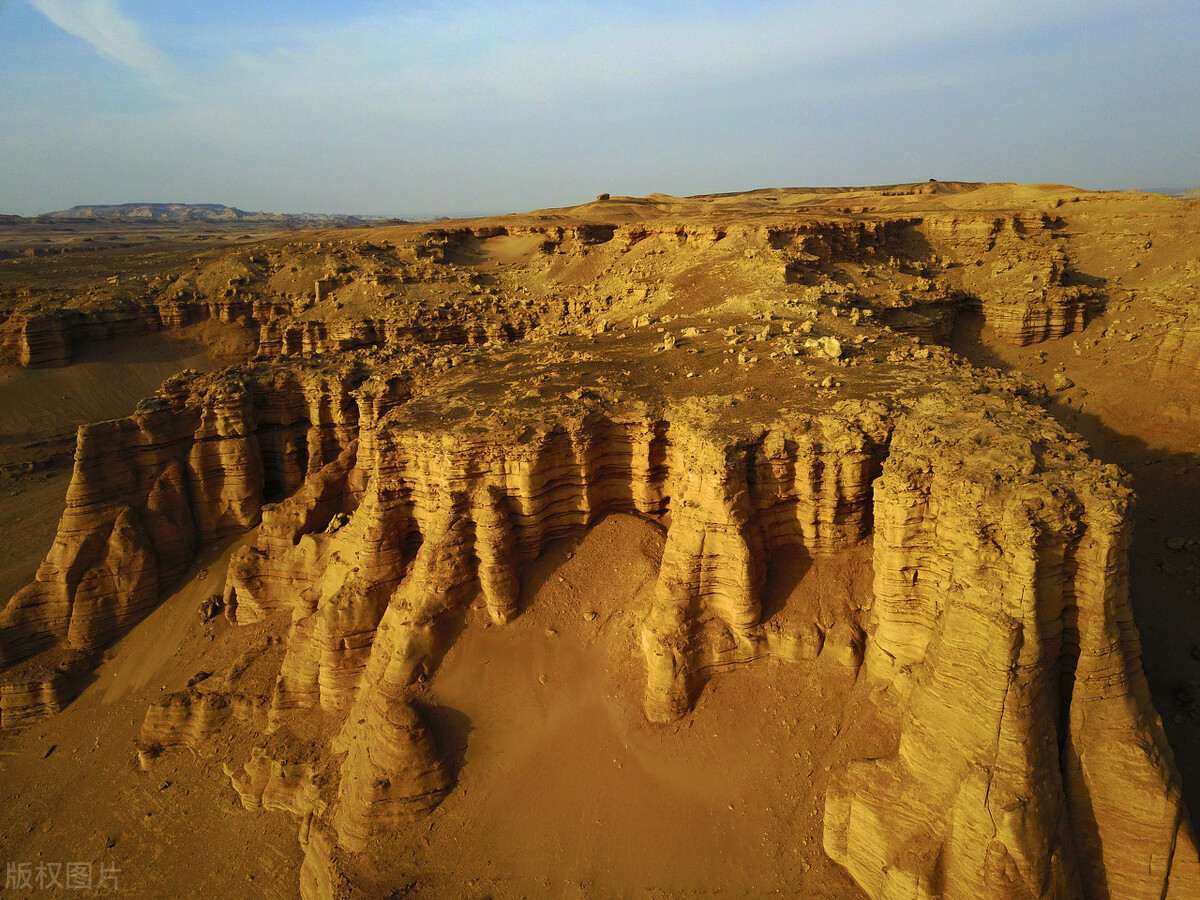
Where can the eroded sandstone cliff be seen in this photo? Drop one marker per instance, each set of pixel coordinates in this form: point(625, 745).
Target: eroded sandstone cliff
point(398, 468)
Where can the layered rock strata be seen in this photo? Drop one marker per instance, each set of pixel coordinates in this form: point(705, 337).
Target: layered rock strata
point(193, 465)
point(264, 782)
point(189, 719)
point(1029, 760)
point(481, 504)
point(25, 701)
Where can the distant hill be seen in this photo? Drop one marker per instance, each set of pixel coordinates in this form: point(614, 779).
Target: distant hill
point(197, 212)
point(1181, 193)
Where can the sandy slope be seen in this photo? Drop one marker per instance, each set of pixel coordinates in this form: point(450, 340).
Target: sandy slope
point(72, 790)
point(107, 381)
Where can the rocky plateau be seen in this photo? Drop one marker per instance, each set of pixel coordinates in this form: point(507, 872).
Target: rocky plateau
point(808, 471)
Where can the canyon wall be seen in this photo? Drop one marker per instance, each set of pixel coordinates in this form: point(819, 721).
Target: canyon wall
point(192, 465)
point(1028, 760)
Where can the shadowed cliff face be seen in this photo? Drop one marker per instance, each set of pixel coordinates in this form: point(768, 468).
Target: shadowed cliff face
point(832, 493)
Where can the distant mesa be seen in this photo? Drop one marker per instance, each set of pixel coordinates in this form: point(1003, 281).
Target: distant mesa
point(215, 213)
point(173, 212)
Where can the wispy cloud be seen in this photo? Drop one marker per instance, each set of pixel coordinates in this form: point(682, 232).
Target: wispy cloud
point(111, 33)
point(451, 57)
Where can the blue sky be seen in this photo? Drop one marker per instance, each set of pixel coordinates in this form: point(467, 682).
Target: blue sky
point(456, 107)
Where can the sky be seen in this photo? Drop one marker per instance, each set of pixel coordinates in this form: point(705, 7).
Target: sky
point(451, 107)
